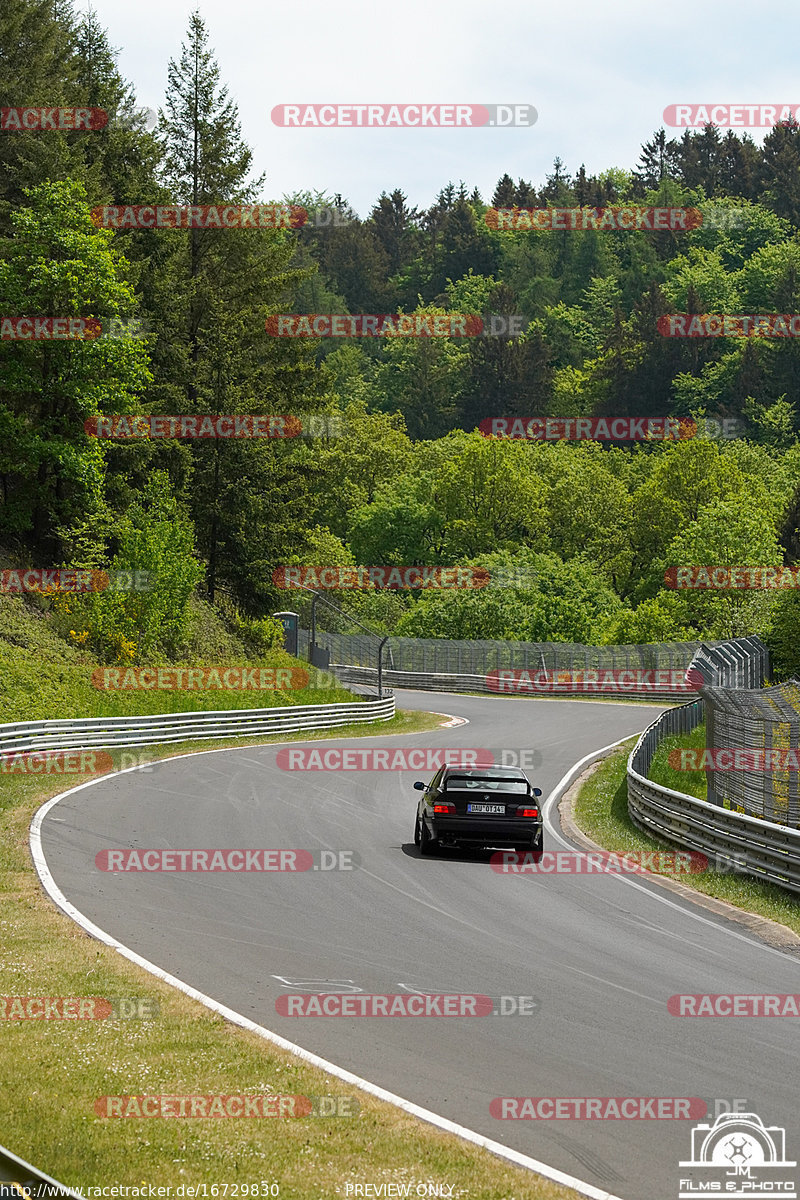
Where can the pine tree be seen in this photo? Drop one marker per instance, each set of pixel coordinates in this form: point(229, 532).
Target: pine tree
point(779, 176)
point(465, 245)
point(738, 166)
point(215, 289)
point(121, 158)
point(699, 159)
point(37, 41)
point(504, 193)
point(395, 226)
point(657, 161)
point(582, 187)
point(525, 194)
point(558, 189)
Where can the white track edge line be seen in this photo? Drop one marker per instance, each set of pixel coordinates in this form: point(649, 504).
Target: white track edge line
point(56, 895)
point(688, 908)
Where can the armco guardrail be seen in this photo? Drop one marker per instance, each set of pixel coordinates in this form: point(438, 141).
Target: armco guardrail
point(105, 732)
point(22, 1180)
point(478, 683)
point(755, 847)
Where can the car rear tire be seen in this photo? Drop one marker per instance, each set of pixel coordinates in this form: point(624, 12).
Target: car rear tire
point(417, 837)
point(427, 844)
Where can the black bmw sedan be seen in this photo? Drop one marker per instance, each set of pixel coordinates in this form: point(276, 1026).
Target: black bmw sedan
point(478, 806)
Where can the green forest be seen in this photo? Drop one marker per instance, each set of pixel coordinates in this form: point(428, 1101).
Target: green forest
point(577, 536)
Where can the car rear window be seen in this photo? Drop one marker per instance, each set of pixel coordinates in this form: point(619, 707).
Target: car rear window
point(485, 783)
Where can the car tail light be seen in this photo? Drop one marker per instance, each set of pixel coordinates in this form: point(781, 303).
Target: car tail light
point(447, 809)
point(527, 812)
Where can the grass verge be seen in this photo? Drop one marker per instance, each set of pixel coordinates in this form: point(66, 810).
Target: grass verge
point(52, 1071)
point(44, 677)
point(601, 811)
point(693, 783)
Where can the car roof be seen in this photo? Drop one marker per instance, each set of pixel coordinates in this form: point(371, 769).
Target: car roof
point(486, 772)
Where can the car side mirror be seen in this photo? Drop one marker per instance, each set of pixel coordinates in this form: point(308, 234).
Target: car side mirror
point(420, 787)
point(537, 791)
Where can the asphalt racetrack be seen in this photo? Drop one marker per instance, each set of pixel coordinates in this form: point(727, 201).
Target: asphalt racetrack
point(600, 953)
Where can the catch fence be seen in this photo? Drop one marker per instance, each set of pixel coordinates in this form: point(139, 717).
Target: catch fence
point(561, 668)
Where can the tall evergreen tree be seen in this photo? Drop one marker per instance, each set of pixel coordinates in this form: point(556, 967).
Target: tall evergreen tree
point(557, 190)
point(779, 177)
point(465, 245)
point(37, 67)
point(216, 289)
point(121, 158)
point(657, 161)
point(699, 159)
point(739, 160)
point(396, 227)
point(525, 194)
point(503, 196)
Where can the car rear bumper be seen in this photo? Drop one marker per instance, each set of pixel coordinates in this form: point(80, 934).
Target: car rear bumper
point(486, 832)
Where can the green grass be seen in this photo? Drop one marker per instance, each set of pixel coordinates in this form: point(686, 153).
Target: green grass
point(43, 677)
point(693, 783)
point(601, 811)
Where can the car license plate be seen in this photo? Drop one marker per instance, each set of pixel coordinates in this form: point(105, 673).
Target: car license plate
point(486, 808)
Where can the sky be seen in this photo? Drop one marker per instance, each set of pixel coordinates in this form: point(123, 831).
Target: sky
point(599, 73)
